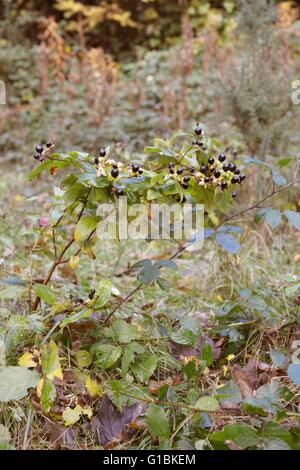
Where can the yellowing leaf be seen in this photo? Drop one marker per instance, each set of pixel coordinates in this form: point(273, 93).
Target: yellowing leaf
point(71, 416)
point(74, 260)
point(27, 359)
point(39, 387)
point(93, 387)
point(83, 358)
point(50, 361)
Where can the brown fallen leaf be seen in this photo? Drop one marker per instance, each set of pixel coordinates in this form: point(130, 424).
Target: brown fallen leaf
point(111, 425)
point(61, 437)
point(244, 380)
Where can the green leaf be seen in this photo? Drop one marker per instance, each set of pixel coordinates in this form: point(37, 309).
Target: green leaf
point(148, 274)
point(273, 217)
point(38, 169)
point(107, 355)
point(228, 242)
point(207, 403)
point(144, 369)
point(278, 357)
point(165, 263)
point(243, 435)
point(45, 293)
point(103, 293)
point(121, 330)
point(293, 218)
point(294, 373)
point(85, 313)
point(207, 354)
point(275, 444)
point(50, 361)
point(14, 382)
point(48, 395)
point(157, 421)
point(129, 355)
point(285, 161)
point(85, 227)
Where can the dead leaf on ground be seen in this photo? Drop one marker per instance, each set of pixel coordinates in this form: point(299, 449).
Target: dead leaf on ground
point(250, 377)
point(111, 425)
point(181, 351)
point(61, 437)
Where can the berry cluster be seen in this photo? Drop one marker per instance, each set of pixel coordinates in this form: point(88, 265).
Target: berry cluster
point(212, 171)
point(114, 170)
point(41, 151)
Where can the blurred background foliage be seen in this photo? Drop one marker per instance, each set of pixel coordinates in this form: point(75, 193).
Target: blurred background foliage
point(122, 72)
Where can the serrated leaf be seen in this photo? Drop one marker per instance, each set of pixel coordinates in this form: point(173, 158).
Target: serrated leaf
point(242, 434)
point(15, 381)
point(144, 369)
point(157, 421)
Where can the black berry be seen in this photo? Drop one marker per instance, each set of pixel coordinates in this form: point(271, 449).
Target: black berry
point(49, 144)
point(206, 179)
point(115, 165)
point(180, 171)
point(232, 166)
point(222, 157)
point(36, 156)
point(96, 161)
point(234, 194)
point(223, 185)
point(185, 185)
point(198, 129)
point(217, 173)
point(135, 168)
point(102, 152)
point(186, 179)
point(114, 173)
point(243, 177)
point(235, 180)
point(211, 160)
point(203, 169)
point(226, 166)
point(119, 192)
point(141, 172)
point(39, 148)
point(237, 172)
point(91, 294)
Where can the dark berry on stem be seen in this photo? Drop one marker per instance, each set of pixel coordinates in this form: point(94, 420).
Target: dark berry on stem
point(39, 148)
point(226, 166)
point(102, 152)
point(135, 168)
point(96, 161)
point(217, 173)
point(237, 172)
point(180, 171)
point(222, 157)
point(186, 179)
point(243, 177)
point(198, 129)
point(223, 185)
point(185, 185)
point(114, 173)
point(234, 194)
point(203, 169)
point(49, 144)
point(232, 166)
point(206, 179)
point(235, 180)
point(211, 160)
point(140, 172)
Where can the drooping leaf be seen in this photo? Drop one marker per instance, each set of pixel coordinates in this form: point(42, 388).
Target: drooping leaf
point(48, 394)
point(85, 227)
